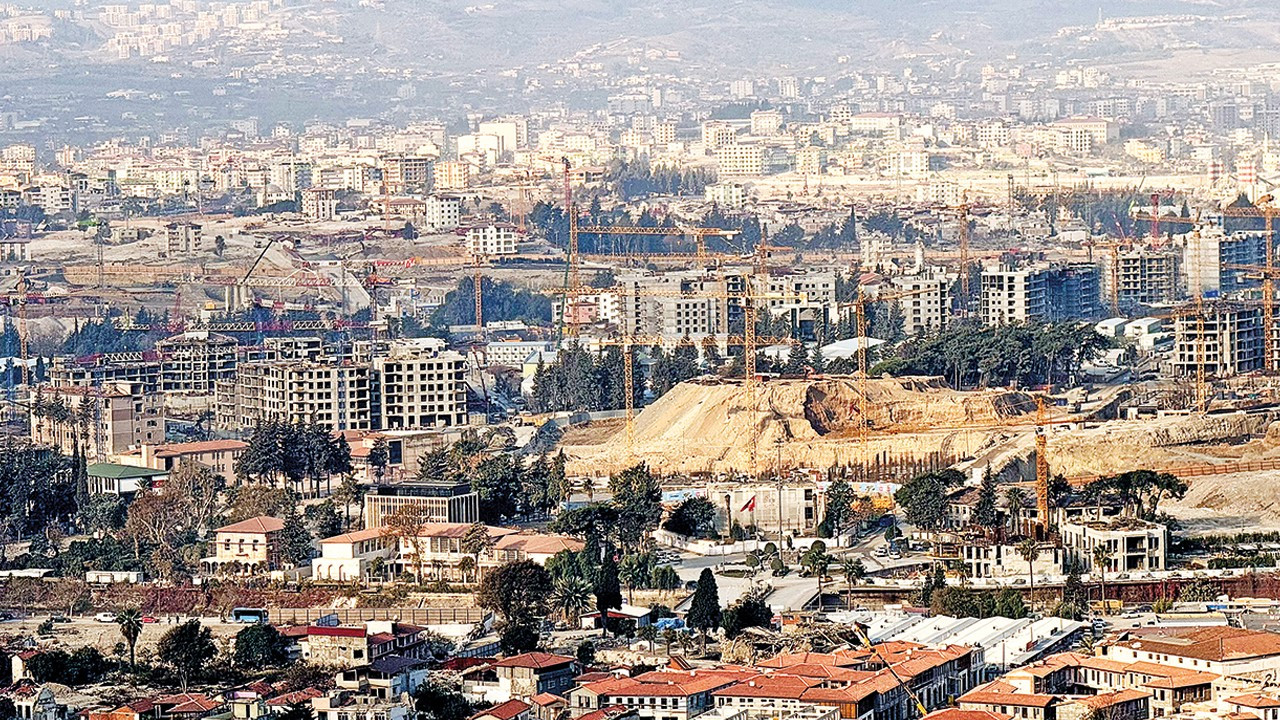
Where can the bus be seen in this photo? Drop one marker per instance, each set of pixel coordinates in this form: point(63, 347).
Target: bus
point(249, 615)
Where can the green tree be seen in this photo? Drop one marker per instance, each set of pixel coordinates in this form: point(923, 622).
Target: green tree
point(750, 611)
point(985, 512)
point(572, 596)
point(260, 645)
point(438, 699)
point(854, 571)
point(694, 517)
point(1015, 500)
point(607, 589)
point(1029, 551)
point(187, 648)
point(586, 653)
point(520, 594)
point(295, 540)
point(924, 498)
point(638, 499)
point(704, 611)
point(130, 622)
point(477, 541)
point(1102, 556)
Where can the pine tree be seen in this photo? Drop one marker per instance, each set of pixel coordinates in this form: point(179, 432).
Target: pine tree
point(704, 611)
point(985, 512)
point(295, 539)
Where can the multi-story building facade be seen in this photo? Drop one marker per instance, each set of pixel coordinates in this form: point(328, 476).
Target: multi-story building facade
point(134, 368)
point(1212, 260)
point(420, 384)
point(492, 239)
point(248, 547)
point(338, 396)
point(121, 416)
point(320, 203)
point(182, 239)
point(1142, 276)
point(433, 502)
point(744, 161)
point(925, 300)
point(195, 361)
point(1225, 339)
point(442, 212)
point(1014, 295)
point(1136, 545)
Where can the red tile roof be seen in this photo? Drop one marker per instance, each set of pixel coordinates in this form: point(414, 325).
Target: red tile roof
point(1254, 700)
point(262, 524)
point(506, 711)
point(535, 660)
point(958, 714)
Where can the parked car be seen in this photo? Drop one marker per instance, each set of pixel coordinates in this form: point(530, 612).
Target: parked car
point(60, 619)
point(105, 617)
point(148, 619)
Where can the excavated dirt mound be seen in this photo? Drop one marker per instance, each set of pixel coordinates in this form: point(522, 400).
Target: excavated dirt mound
point(708, 425)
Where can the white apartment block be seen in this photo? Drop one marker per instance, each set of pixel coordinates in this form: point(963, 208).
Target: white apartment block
point(717, 133)
point(1210, 251)
point(1136, 545)
point(765, 123)
point(925, 300)
point(123, 416)
point(664, 133)
point(740, 160)
point(451, 175)
point(492, 239)
point(726, 195)
point(442, 212)
point(320, 203)
point(421, 385)
point(1014, 295)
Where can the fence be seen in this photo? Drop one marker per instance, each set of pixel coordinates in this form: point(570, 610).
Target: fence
point(354, 616)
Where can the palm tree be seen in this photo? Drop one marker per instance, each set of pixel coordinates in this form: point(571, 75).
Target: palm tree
point(477, 541)
point(571, 596)
point(669, 637)
point(130, 622)
point(466, 565)
point(854, 571)
point(1016, 498)
point(648, 632)
point(1101, 561)
point(1030, 551)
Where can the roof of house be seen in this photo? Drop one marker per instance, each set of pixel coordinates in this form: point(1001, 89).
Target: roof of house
point(354, 537)
point(958, 714)
point(1216, 644)
point(605, 713)
point(120, 472)
point(547, 699)
point(535, 660)
point(505, 711)
point(1106, 700)
point(998, 692)
point(187, 703)
point(1254, 700)
point(295, 697)
point(1183, 680)
point(262, 524)
point(539, 544)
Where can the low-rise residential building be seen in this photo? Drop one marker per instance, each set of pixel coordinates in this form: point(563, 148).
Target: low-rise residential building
point(182, 239)
point(348, 646)
point(245, 548)
point(1136, 545)
point(218, 455)
point(521, 677)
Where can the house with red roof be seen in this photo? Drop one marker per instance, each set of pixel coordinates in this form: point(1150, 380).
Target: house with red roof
point(1263, 707)
point(34, 701)
point(186, 706)
point(249, 547)
point(657, 695)
point(509, 710)
point(520, 677)
point(549, 706)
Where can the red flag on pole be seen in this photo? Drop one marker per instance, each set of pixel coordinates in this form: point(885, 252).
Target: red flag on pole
point(750, 506)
